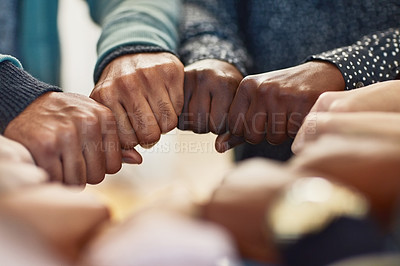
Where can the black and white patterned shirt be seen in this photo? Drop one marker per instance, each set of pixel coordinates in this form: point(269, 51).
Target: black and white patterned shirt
point(361, 37)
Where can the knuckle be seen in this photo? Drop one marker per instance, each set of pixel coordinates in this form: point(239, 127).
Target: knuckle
point(340, 106)
point(47, 144)
point(248, 83)
point(150, 138)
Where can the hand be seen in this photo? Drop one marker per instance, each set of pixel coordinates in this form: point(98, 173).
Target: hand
point(62, 217)
point(70, 136)
point(145, 93)
point(210, 86)
point(239, 205)
point(17, 168)
point(14, 152)
point(376, 124)
point(369, 164)
point(272, 105)
point(379, 97)
point(176, 239)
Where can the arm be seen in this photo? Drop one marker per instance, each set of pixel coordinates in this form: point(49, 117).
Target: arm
point(380, 97)
point(137, 74)
point(372, 59)
point(287, 95)
point(216, 60)
point(72, 145)
point(18, 89)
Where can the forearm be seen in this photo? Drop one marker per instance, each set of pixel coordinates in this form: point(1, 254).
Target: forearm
point(372, 59)
point(134, 26)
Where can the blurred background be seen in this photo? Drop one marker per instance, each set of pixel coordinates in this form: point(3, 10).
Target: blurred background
point(179, 159)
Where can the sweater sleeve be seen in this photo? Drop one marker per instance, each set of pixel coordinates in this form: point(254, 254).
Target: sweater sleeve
point(18, 89)
point(134, 26)
point(372, 59)
point(210, 30)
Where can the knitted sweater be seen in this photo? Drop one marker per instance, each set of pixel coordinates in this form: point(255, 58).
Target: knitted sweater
point(361, 37)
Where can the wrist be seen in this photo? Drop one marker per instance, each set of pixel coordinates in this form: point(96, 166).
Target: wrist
point(330, 73)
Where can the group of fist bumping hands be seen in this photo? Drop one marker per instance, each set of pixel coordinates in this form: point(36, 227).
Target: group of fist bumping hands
point(344, 172)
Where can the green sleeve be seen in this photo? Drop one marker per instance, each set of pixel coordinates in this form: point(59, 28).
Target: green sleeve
point(134, 26)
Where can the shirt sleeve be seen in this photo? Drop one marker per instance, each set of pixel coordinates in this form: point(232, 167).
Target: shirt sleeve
point(372, 59)
point(210, 30)
point(18, 89)
point(134, 26)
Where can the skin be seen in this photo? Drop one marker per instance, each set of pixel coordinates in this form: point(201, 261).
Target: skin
point(145, 93)
point(66, 222)
point(364, 124)
point(271, 106)
point(369, 164)
point(17, 168)
point(161, 237)
point(378, 97)
point(210, 86)
point(70, 136)
point(239, 204)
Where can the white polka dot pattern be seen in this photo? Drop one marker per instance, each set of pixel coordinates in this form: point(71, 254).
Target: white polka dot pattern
point(374, 58)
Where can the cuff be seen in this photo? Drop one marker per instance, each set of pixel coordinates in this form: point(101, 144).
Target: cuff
point(124, 50)
point(18, 89)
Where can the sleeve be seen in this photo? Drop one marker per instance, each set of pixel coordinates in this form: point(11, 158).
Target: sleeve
point(210, 30)
point(18, 89)
point(134, 26)
point(372, 59)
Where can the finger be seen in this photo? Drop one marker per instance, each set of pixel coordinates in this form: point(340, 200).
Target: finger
point(143, 121)
point(227, 141)
point(111, 144)
point(238, 110)
point(175, 90)
point(307, 130)
point(276, 126)
point(185, 118)
point(199, 107)
point(47, 155)
point(220, 104)
point(163, 110)
point(294, 123)
point(126, 133)
point(256, 122)
point(131, 157)
point(73, 162)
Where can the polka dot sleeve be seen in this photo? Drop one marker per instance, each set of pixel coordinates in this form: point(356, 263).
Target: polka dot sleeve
point(374, 58)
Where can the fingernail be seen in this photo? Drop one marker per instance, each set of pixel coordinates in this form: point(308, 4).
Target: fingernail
point(222, 147)
point(129, 160)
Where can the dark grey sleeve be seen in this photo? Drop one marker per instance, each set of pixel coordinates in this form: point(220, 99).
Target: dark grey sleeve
point(372, 59)
point(210, 30)
point(18, 89)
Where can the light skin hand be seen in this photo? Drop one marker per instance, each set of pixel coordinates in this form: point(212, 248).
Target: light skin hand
point(370, 164)
point(210, 86)
point(70, 136)
point(272, 105)
point(378, 97)
point(145, 93)
point(13, 151)
point(17, 167)
point(375, 124)
point(240, 202)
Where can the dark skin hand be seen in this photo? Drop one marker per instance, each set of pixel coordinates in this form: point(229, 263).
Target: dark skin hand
point(70, 136)
point(272, 105)
point(145, 93)
point(210, 86)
